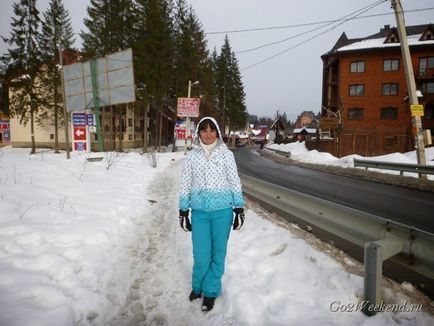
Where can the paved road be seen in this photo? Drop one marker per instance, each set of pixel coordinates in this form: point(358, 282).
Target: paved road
point(408, 206)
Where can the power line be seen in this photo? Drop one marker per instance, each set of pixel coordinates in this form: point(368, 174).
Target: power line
point(306, 32)
point(342, 19)
point(256, 29)
point(362, 10)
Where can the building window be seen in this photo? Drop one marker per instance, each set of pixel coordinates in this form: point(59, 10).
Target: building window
point(355, 114)
point(429, 112)
point(428, 88)
point(389, 113)
point(357, 66)
point(51, 136)
point(130, 122)
point(390, 89)
point(426, 64)
point(391, 142)
point(130, 137)
point(357, 90)
point(391, 65)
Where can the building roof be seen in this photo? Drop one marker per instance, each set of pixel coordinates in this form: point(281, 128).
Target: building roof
point(415, 35)
point(413, 40)
point(304, 130)
point(277, 124)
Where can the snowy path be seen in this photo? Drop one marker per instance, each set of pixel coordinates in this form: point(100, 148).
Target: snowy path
point(158, 286)
point(273, 275)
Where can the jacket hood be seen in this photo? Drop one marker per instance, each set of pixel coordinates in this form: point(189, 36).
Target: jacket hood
point(196, 133)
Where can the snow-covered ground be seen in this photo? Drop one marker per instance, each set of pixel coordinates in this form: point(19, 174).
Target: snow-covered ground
point(98, 243)
point(299, 152)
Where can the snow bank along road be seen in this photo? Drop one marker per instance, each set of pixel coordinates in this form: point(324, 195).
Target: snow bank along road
point(408, 206)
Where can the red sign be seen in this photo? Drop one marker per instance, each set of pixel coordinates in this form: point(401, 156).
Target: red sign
point(4, 125)
point(180, 132)
point(80, 133)
point(188, 107)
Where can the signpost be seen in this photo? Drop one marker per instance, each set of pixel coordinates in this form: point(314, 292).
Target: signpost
point(411, 83)
point(417, 110)
point(189, 108)
point(5, 131)
point(80, 132)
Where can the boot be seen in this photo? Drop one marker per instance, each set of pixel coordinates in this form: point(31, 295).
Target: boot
point(208, 303)
point(193, 296)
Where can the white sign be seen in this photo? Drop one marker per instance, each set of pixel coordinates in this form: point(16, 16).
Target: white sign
point(188, 107)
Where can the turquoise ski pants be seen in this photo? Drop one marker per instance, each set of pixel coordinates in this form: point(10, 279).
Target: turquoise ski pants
point(210, 234)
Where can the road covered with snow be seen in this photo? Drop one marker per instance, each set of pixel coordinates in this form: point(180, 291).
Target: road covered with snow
point(98, 243)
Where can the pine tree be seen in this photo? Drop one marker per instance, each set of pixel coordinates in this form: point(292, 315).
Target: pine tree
point(154, 46)
point(229, 88)
point(221, 65)
point(56, 31)
point(25, 59)
point(154, 57)
point(192, 60)
point(110, 27)
point(236, 109)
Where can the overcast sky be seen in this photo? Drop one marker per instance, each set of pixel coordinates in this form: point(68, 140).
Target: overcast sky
point(289, 82)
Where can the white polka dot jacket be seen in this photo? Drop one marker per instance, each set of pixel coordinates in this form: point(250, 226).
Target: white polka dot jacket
point(212, 183)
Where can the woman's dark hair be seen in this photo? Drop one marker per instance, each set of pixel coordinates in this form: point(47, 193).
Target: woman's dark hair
point(205, 123)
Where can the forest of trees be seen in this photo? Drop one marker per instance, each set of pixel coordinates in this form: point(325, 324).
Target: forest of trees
point(169, 49)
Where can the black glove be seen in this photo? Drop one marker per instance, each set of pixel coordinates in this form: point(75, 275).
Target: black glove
point(238, 219)
point(184, 221)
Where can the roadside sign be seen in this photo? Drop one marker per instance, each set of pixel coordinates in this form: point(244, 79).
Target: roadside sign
point(80, 146)
point(417, 110)
point(79, 119)
point(188, 107)
point(90, 119)
point(79, 133)
point(180, 130)
point(4, 125)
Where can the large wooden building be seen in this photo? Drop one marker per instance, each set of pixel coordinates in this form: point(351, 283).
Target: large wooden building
point(365, 99)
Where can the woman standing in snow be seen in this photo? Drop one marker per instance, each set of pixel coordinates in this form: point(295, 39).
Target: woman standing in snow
point(211, 188)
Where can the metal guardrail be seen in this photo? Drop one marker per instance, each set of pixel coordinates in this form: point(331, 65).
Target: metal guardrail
point(282, 153)
point(402, 167)
point(353, 225)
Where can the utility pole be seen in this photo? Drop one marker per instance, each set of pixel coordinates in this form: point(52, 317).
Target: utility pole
point(187, 120)
point(145, 128)
point(411, 84)
point(65, 113)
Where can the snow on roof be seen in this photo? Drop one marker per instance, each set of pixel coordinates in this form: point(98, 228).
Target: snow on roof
point(256, 132)
point(20, 78)
point(308, 130)
point(413, 40)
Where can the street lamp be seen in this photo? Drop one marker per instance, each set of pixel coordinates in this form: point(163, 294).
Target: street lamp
point(187, 120)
